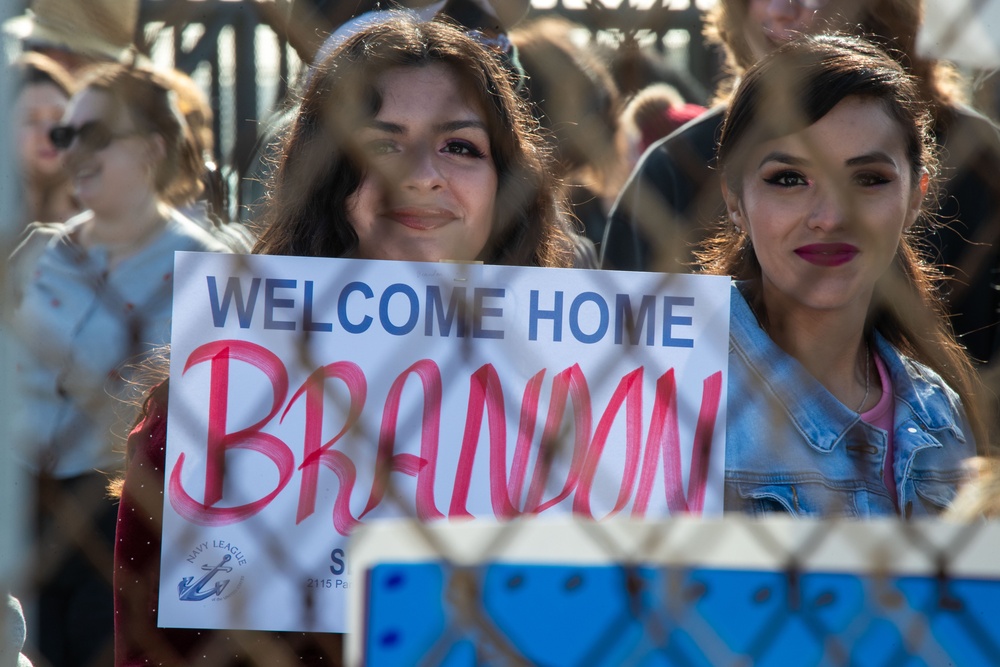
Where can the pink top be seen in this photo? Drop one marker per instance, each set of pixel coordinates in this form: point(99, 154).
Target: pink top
point(882, 416)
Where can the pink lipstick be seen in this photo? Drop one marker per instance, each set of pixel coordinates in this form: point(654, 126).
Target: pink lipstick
point(421, 218)
point(827, 254)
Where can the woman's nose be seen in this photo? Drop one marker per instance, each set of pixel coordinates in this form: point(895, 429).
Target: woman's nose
point(421, 170)
point(830, 210)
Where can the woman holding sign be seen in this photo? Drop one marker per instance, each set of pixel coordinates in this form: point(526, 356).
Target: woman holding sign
point(849, 393)
point(410, 143)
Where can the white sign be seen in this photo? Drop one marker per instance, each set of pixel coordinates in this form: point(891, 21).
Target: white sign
point(310, 395)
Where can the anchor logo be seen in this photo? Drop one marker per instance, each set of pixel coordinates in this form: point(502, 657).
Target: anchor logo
point(193, 592)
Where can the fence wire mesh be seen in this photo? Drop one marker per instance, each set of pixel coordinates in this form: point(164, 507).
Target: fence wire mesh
point(616, 615)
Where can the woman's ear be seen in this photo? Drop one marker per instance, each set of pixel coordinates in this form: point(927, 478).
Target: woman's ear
point(157, 153)
point(733, 209)
point(159, 147)
point(917, 198)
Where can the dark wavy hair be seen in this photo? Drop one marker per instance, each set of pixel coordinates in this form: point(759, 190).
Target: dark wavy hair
point(150, 104)
point(319, 164)
point(789, 90)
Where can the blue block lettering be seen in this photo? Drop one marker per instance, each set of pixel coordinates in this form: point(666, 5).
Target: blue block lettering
point(271, 302)
point(436, 310)
point(574, 317)
point(347, 324)
point(535, 313)
point(307, 312)
point(383, 309)
point(670, 321)
point(626, 320)
point(479, 295)
point(234, 291)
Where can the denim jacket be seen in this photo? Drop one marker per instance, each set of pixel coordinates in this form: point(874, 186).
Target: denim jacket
point(793, 447)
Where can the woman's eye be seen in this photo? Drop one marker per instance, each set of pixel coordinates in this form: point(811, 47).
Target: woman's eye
point(787, 179)
point(463, 148)
point(868, 179)
point(380, 147)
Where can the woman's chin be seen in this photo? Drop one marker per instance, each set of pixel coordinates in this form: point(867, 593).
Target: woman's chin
point(413, 251)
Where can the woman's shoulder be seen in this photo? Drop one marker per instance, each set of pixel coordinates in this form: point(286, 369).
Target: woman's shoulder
point(931, 399)
point(740, 312)
point(38, 235)
point(35, 242)
point(189, 234)
point(148, 437)
point(899, 363)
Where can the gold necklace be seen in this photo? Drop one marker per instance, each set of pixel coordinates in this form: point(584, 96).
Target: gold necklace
point(868, 371)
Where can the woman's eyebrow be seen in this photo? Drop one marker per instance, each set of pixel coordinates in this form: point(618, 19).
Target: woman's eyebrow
point(448, 126)
point(383, 126)
point(453, 125)
point(783, 158)
point(875, 157)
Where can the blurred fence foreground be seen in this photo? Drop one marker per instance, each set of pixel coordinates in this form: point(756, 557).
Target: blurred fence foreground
point(684, 591)
point(680, 592)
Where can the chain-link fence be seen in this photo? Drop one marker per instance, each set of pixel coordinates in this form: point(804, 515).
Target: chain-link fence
point(706, 592)
point(619, 605)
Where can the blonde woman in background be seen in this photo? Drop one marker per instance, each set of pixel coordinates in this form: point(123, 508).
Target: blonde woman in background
point(91, 297)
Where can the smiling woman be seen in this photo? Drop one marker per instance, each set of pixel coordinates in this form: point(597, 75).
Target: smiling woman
point(431, 183)
point(408, 145)
point(835, 195)
point(848, 393)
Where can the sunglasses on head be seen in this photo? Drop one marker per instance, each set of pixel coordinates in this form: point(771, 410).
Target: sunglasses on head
point(94, 135)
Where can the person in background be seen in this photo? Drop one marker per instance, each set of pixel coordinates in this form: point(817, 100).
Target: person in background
point(12, 639)
point(210, 208)
point(634, 67)
point(979, 497)
point(403, 120)
point(43, 91)
point(653, 113)
point(91, 297)
point(848, 393)
point(577, 106)
point(673, 193)
point(78, 34)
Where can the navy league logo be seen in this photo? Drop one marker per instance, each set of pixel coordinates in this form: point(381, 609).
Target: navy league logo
point(217, 577)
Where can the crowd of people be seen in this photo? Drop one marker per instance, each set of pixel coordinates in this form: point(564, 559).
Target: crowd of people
point(838, 177)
